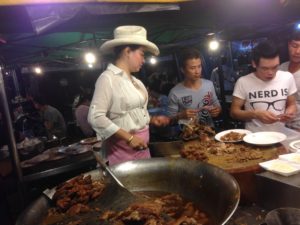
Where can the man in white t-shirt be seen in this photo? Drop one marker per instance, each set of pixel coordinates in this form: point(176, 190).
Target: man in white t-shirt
point(293, 66)
point(266, 97)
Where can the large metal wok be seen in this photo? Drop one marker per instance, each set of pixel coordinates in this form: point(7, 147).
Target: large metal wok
point(209, 187)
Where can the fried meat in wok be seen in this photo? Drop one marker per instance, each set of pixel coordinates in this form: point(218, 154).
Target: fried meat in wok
point(169, 209)
point(72, 206)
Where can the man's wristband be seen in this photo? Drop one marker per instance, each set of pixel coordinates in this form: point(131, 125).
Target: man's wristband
point(130, 139)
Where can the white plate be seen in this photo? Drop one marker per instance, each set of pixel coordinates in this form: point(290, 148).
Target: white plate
point(281, 167)
point(295, 146)
point(264, 138)
point(242, 131)
point(292, 157)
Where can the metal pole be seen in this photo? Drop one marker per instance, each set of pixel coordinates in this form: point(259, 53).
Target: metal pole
point(16, 83)
point(222, 92)
point(12, 142)
point(221, 81)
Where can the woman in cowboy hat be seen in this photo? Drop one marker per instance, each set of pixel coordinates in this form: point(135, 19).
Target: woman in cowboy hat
point(118, 111)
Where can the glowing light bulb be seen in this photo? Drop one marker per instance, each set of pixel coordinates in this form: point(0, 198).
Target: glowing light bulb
point(38, 70)
point(214, 45)
point(153, 60)
point(90, 58)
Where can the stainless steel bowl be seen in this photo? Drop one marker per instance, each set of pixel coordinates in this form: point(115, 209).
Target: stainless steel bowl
point(209, 187)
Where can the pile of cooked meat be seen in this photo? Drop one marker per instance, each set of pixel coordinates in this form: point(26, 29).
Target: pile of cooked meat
point(208, 147)
point(72, 196)
point(169, 209)
point(72, 200)
point(203, 150)
point(196, 130)
point(233, 136)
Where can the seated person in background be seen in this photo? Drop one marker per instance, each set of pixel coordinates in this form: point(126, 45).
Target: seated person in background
point(267, 96)
point(229, 77)
point(158, 101)
point(81, 114)
point(194, 96)
point(293, 66)
point(53, 120)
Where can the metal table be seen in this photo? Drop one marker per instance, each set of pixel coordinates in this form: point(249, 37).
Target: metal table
point(275, 191)
point(46, 169)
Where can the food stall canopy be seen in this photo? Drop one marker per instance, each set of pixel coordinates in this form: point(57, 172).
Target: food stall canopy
point(57, 35)
point(26, 2)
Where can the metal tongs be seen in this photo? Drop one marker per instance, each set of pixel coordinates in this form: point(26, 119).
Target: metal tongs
point(117, 196)
point(191, 121)
point(186, 122)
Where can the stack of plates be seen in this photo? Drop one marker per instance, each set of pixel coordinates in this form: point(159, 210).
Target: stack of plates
point(295, 146)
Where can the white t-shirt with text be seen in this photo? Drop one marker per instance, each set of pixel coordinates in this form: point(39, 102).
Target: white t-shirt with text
point(265, 95)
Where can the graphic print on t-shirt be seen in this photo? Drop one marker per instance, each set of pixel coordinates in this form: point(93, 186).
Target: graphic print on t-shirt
point(278, 105)
point(204, 114)
point(269, 100)
point(187, 100)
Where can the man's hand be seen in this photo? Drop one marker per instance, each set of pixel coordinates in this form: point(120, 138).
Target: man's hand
point(160, 121)
point(189, 113)
point(286, 117)
point(214, 110)
point(266, 116)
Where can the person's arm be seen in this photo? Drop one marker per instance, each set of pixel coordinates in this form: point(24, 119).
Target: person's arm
point(237, 112)
point(290, 110)
point(215, 111)
point(160, 120)
point(291, 103)
point(132, 140)
point(100, 105)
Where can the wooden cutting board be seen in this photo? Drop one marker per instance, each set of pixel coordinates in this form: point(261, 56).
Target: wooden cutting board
point(233, 161)
point(236, 157)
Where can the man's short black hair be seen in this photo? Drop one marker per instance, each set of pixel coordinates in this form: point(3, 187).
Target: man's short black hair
point(266, 49)
point(294, 36)
point(39, 99)
point(188, 53)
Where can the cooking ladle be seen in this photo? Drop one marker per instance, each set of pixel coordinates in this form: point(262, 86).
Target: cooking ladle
point(107, 169)
point(117, 196)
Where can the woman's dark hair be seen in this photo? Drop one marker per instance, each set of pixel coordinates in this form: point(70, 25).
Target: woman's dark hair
point(266, 49)
point(188, 53)
point(119, 49)
point(85, 96)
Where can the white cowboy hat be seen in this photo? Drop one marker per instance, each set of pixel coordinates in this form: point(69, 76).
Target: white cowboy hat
point(124, 35)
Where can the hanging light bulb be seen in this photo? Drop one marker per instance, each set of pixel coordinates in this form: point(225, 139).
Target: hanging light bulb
point(90, 58)
point(153, 60)
point(38, 70)
point(214, 45)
